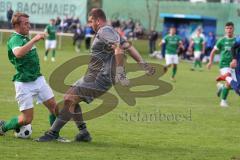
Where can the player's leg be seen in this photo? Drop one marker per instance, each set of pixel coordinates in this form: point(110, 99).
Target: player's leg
point(234, 84)
point(45, 95)
point(197, 57)
point(53, 44)
point(174, 70)
point(194, 66)
point(77, 45)
point(168, 59)
point(25, 102)
point(224, 95)
point(65, 114)
point(47, 48)
point(16, 122)
point(51, 106)
point(195, 61)
point(83, 135)
point(225, 88)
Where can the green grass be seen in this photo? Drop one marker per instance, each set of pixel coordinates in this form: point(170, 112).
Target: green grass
point(211, 133)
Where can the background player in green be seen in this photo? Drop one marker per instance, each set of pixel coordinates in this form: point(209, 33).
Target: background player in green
point(172, 42)
point(28, 80)
point(50, 42)
point(197, 46)
point(224, 46)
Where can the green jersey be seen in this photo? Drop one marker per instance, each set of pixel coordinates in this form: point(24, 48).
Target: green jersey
point(51, 30)
point(198, 43)
point(27, 67)
point(172, 43)
point(224, 46)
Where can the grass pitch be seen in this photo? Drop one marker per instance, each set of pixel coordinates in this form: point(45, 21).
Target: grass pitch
point(202, 131)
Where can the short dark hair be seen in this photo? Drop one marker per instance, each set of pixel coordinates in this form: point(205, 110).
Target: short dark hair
point(229, 24)
point(16, 18)
point(97, 13)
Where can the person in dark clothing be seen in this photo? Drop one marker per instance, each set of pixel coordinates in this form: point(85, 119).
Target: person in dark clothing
point(210, 42)
point(9, 17)
point(153, 36)
point(88, 36)
point(78, 37)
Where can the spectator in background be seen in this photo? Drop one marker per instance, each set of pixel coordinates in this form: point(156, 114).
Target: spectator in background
point(183, 52)
point(74, 24)
point(67, 23)
point(153, 36)
point(78, 37)
point(116, 23)
point(138, 31)
point(129, 28)
point(88, 36)
point(9, 17)
point(58, 23)
point(210, 42)
point(51, 41)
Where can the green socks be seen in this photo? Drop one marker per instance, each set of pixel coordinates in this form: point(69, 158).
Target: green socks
point(52, 118)
point(46, 53)
point(174, 71)
point(224, 93)
point(11, 124)
point(53, 53)
point(197, 63)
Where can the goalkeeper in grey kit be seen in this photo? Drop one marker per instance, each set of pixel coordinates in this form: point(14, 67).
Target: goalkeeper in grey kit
point(104, 69)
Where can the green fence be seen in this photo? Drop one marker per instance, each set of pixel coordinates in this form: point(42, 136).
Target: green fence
point(137, 10)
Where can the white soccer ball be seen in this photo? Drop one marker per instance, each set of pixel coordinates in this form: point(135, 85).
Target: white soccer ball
point(23, 132)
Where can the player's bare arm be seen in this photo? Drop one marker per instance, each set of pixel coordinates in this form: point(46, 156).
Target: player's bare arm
point(209, 65)
point(203, 47)
point(21, 51)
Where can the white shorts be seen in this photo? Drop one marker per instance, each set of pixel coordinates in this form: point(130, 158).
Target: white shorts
point(26, 92)
point(197, 54)
point(50, 44)
point(228, 70)
point(171, 59)
point(225, 70)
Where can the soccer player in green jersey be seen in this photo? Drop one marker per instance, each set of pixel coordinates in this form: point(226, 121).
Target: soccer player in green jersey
point(197, 43)
point(50, 43)
point(172, 42)
point(224, 46)
point(28, 80)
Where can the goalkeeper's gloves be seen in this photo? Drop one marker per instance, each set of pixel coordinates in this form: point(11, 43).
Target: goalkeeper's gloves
point(150, 70)
point(121, 76)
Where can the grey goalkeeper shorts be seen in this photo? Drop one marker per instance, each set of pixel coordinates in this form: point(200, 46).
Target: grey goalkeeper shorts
point(88, 91)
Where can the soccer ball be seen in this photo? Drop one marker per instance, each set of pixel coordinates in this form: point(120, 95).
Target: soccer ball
point(23, 132)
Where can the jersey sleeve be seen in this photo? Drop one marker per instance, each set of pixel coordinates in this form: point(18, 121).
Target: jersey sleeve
point(15, 43)
point(109, 36)
point(218, 44)
point(46, 29)
point(164, 40)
